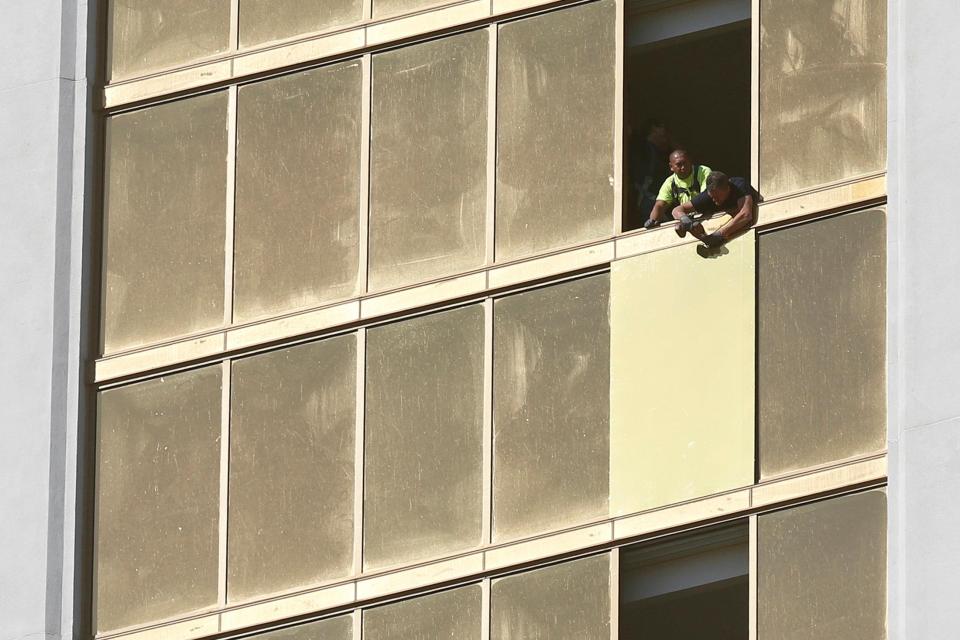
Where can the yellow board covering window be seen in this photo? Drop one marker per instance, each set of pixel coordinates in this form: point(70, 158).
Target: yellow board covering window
point(682, 375)
point(269, 20)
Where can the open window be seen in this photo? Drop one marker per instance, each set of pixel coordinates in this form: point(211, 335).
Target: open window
point(686, 85)
point(687, 587)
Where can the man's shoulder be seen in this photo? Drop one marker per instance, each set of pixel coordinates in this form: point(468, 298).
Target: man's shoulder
point(704, 171)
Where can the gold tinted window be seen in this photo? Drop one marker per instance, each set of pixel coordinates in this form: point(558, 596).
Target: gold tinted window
point(149, 36)
point(340, 628)
point(158, 499)
point(298, 191)
point(823, 92)
point(293, 419)
point(568, 601)
point(428, 160)
point(423, 442)
point(822, 570)
point(551, 407)
point(265, 20)
point(453, 614)
point(682, 404)
point(822, 313)
point(165, 214)
point(555, 101)
point(386, 8)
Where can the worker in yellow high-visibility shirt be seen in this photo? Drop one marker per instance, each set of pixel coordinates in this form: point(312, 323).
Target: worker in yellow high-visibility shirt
point(686, 181)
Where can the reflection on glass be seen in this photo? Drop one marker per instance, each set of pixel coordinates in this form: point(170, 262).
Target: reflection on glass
point(453, 615)
point(551, 407)
point(266, 20)
point(823, 94)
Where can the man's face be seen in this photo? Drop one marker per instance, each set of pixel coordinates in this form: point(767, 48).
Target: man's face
point(719, 194)
point(680, 165)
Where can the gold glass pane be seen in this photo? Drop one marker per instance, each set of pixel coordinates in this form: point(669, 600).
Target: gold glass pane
point(448, 615)
point(340, 628)
point(149, 36)
point(551, 405)
point(165, 221)
point(822, 570)
point(428, 160)
point(555, 103)
point(682, 402)
point(423, 443)
point(568, 601)
point(292, 426)
point(158, 499)
point(267, 20)
point(298, 191)
point(823, 92)
point(387, 8)
point(822, 313)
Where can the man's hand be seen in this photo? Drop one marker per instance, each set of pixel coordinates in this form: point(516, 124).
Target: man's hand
point(714, 240)
point(651, 224)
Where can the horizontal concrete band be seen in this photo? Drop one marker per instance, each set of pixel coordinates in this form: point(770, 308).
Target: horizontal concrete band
point(611, 533)
point(342, 42)
point(370, 309)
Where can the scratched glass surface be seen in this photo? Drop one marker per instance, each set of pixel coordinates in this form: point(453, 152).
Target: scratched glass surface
point(453, 614)
point(268, 20)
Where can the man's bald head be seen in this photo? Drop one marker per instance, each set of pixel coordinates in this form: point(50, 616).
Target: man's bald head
point(680, 163)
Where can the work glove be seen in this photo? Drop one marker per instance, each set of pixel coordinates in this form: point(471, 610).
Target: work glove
point(686, 223)
point(713, 240)
point(651, 224)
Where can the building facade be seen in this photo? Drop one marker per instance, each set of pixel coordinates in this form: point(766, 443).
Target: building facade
point(330, 320)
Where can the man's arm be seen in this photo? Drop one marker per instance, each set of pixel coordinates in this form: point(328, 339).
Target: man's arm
point(656, 214)
point(741, 220)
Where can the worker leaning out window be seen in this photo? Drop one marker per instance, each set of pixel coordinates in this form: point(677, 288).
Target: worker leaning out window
point(685, 182)
point(723, 195)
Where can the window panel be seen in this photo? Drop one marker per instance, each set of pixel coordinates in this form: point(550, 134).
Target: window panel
point(682, 403)
point(555, 107)
point(387, 8)
point(298, 191)
point(823, 92)
point(428, 160)
point(822, 342)
point(158, 499)
point(822, 570)
point(340, 628)
point(267, 20)
point(551, 408)
point(293, 420)
point(568, 601)
point(423, 442)
point(453, 614)
point(165, 221)
point(149, 36)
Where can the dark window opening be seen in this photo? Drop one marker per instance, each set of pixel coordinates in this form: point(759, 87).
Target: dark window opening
point(686, 85)
point(687, 588)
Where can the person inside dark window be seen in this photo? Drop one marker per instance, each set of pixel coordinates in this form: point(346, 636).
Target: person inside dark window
point(649, 166)
point(686, 181)
point(723, 195)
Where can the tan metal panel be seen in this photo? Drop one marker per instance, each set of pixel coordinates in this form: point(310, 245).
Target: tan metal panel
point(555, 146)
point(428, 160)
point(822, 570)
point(682, 402)
point(293, 419)
point(149, 36)
point(823, 99)
point(298, 196)
point(268, 20)
point(822, 335)
point(339, 628)
point(424, 422)
point(158, 497)
point(551, 382)
point(166, 171)
point(387, 8)
point(568, 601)
point(439, 616)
